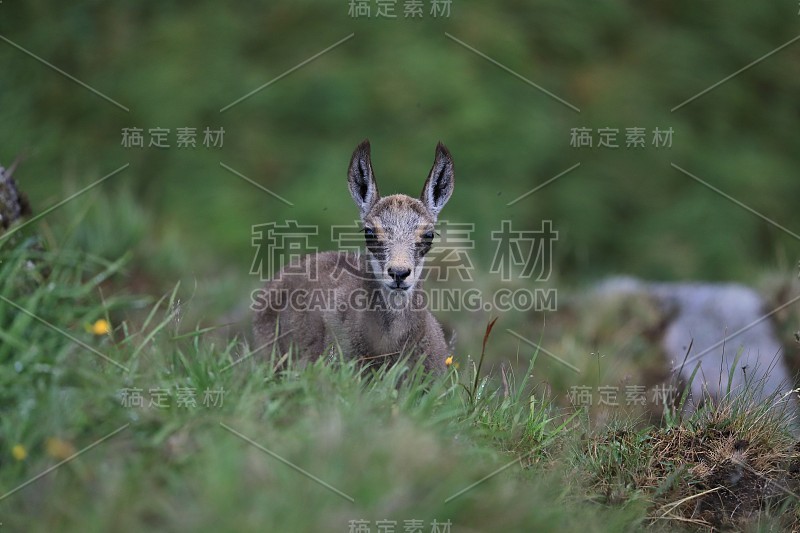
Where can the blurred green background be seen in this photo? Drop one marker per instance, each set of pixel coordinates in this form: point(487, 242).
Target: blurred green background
point(405, 85)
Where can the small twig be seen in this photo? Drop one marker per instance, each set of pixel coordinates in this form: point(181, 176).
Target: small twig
point(483, 354)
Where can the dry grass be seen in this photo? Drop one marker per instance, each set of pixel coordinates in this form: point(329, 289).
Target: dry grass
point(730, 465)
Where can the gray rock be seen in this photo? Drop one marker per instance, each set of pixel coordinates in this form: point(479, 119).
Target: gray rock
point(724, 325)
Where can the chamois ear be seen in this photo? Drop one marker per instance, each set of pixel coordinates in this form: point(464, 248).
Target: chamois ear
point(361, 180)
point(439, 185)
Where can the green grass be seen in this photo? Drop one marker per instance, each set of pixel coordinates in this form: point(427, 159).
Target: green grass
point(399, 447)
point(484, 451)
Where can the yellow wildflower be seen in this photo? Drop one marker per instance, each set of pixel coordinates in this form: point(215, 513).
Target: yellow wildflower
point(58, 448)
point(449, 361)
point(19, 452)
point(101, 327)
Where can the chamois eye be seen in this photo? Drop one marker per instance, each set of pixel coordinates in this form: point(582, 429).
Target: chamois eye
point(424, 245)
point(369, 235)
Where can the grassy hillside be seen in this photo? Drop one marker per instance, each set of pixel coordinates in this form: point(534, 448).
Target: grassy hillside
point(117, 412)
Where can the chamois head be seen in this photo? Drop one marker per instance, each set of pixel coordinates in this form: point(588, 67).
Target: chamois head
point(399, 229)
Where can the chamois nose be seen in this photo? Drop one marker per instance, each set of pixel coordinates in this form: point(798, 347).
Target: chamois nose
point(399, 274)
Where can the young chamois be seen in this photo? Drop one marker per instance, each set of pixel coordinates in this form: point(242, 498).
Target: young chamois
point(369, 306)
